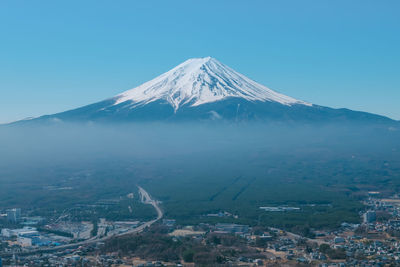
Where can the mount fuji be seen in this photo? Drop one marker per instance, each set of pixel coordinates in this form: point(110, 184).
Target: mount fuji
point(205, 89)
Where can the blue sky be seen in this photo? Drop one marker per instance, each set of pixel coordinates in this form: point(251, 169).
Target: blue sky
point(58, 55)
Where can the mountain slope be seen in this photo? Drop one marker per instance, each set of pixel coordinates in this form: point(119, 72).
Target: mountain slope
point(205, 89)
point(198, 81)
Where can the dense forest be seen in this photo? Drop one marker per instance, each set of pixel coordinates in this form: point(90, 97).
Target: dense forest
point(195, 170)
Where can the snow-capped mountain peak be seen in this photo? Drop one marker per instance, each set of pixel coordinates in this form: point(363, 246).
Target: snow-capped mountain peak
point(198, 81)
point(205, 90)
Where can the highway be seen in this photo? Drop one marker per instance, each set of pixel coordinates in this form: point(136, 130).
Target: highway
point(145, 197)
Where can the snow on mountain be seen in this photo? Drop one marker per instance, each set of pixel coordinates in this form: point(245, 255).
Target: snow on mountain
point(198, 81)
point(203, 89)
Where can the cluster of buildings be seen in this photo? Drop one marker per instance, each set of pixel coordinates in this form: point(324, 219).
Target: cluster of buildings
point(82, 256)
point(343, 246)
point(20, 233)
point(375, 242)
point(69, 257)
point(231, 228)
point(280, 209)
point(222, 214)
point(12, 215)
point(78, 230)
point(28, 237)
point(285, 248)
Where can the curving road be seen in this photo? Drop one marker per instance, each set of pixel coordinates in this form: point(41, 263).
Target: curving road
point(146, 199)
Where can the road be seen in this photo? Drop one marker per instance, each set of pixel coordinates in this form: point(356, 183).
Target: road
point(146, 198)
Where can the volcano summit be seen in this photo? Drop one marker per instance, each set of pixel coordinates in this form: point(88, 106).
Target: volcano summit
point(206, 89)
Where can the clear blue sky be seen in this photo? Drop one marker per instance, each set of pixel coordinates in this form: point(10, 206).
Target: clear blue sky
point(58, 55)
